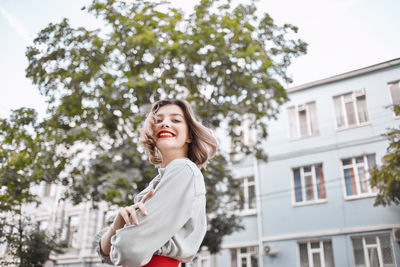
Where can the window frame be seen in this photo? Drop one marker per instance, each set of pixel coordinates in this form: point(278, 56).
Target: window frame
point(371, 192)
point(376, 245)
point(245, 255)
point(304, 202)
point(311, 251)
point(309, 121)
point(68, 233)
point(244, 181)
point(354, 95)
point(391, 97)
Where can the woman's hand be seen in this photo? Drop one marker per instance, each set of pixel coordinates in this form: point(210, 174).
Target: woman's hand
point(124, 213)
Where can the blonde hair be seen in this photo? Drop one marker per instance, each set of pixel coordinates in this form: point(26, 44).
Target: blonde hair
point(203, 143)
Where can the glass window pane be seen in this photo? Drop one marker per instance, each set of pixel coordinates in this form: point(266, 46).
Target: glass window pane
point(303, 255)
point(242, 195)
point(297, 185)
point(244, 262)
point(350, 182)
point(373, 257)
point(320, 181)
point(395, 92)
point(360, 159)
point(317, 259)
point(350, 113)
point(309, 187)
point(233, 258)
point(303, 123)
point(346, 162)
point(363, 181)
point(370, 240)
point(252, 197)
point(339, 111)
point(386, 247)
point(371, 161)
point(254, 260)
point(362, 109)
point(313, 116)
point(315, 244)
point(358, 251)
point(328, 253)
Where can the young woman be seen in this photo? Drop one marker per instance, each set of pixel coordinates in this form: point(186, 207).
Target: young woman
point(171, 221)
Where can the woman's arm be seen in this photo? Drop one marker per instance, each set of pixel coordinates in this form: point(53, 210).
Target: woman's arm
point(123, 217)
point(169, 210)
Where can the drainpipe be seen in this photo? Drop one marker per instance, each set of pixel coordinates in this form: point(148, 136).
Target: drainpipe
point(258, 208)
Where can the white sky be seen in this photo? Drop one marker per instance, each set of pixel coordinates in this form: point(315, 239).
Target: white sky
point(343, 35)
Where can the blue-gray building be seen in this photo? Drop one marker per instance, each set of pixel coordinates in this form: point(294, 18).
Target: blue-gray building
point(311, 204)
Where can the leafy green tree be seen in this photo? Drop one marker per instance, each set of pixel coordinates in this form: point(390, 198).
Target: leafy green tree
point(387, 177)
point(99, 84)
point(25, 160)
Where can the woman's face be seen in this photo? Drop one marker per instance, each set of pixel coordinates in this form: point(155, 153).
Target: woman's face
point(171, 131)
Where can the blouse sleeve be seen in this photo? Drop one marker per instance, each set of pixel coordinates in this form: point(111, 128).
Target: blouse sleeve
point(168, 210)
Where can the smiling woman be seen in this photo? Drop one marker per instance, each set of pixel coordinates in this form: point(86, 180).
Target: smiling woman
point(172, 224)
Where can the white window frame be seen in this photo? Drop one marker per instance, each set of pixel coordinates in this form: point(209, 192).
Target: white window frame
point(378, 247)
point(309, 117)
point(311, 251)
point(202, 259)
point(303, 187)
point(246, 184)
point(68, 233)
point(391, 96)
point(354, 166)
point(250, 251)
point(354, 96)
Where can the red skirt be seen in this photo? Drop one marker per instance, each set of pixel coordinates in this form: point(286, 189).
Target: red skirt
point(162, 261)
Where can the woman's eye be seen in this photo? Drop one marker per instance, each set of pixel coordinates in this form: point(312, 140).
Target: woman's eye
point(158, 121)
point(176, 120)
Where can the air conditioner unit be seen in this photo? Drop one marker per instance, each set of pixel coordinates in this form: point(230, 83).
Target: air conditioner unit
point(396, 234)
point(270, 250)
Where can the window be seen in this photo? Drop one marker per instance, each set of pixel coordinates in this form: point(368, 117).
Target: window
point(316, 254)
point(351, 109)
point(43, 225)
point(394, 88)
point(373, 251)
point(47, 189)
point(303, 120)
point(248, 193)
point(70, 231)
point(244, 257)
point(202, 259)
point(309, 184)
point(356, 175)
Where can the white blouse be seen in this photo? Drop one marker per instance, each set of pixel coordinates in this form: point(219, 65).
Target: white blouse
point(176, 222)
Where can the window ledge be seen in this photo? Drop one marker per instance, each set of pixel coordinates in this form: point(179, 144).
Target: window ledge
point(362, 196)
point(353, 126)
point(244, 213)
point(293, 139)
point(308, 203)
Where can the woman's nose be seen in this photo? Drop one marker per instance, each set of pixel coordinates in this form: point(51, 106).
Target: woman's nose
point(165, 124)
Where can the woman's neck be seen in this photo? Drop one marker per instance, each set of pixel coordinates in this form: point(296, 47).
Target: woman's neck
point(168, 158)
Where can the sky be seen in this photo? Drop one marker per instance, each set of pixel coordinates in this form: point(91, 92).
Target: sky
point(343, 35)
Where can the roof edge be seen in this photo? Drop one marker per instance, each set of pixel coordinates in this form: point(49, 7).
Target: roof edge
point(346, 75)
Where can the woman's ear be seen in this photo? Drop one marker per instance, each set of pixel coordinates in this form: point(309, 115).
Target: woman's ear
point(189, 140)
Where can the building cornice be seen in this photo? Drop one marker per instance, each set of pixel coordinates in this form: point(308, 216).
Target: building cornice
point(346, 75)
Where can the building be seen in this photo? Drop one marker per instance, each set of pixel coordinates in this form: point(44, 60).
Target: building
point(311, 204)
point(315, 201)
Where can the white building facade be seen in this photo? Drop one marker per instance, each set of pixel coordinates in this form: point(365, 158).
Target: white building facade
point(311, 204)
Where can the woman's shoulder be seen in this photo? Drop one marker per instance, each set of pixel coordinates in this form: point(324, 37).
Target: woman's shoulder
point(181, 163)
point(196, 176)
